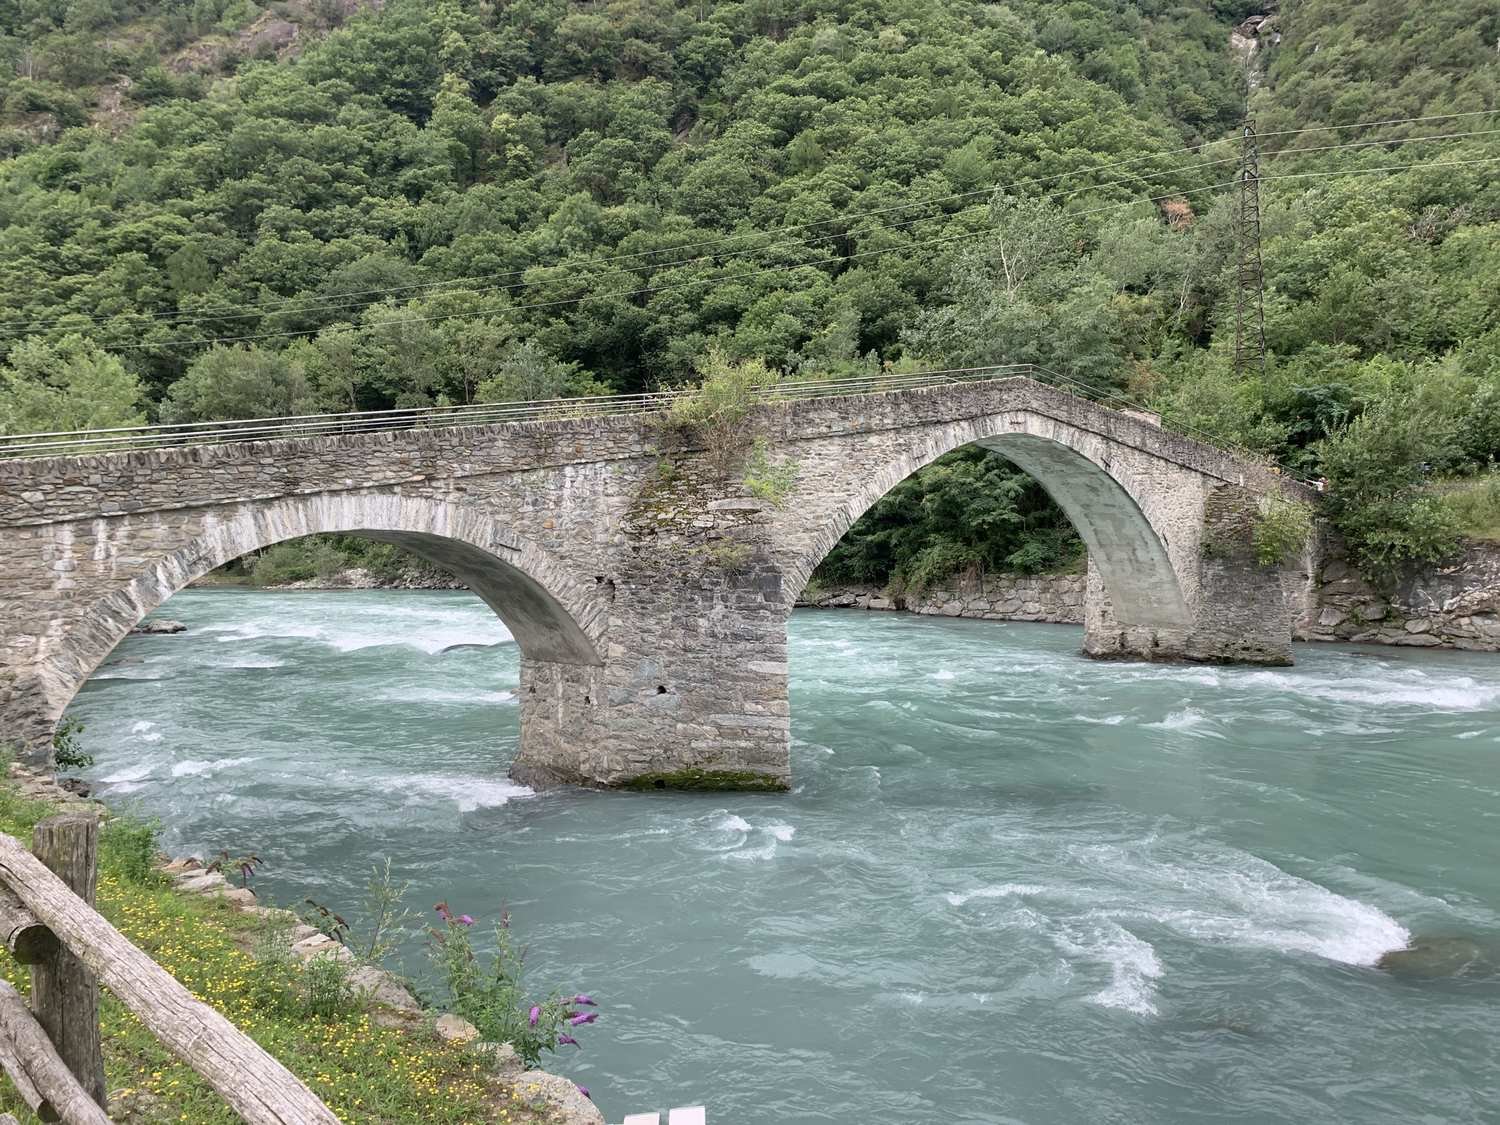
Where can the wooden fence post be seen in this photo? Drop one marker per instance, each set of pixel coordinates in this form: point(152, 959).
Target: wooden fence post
point(64, 992)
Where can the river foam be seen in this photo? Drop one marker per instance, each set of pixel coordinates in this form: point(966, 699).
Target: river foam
point(1397, 686)
point(1123, 897)
point(467, 793)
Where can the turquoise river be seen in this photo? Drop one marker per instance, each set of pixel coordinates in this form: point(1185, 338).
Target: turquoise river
point(1009, 885)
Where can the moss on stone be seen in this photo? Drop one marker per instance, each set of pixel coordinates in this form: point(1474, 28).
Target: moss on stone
point(709, 780)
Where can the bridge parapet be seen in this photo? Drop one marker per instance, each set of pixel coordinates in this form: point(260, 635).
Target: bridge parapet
point(72, 486)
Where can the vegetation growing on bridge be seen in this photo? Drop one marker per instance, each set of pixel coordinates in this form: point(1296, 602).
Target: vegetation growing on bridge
point(1281, 530)
point(486, 202)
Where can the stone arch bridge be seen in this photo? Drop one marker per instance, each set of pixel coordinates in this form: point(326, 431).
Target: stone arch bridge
point(648, 592)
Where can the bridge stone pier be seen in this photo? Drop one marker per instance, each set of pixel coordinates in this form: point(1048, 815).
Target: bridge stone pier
point(647, 590)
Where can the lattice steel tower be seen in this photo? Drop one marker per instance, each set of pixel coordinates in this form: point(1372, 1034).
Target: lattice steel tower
point(1250, 310)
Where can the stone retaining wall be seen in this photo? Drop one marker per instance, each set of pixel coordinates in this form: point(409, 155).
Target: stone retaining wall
point(1054, 598)
point(1452, 606)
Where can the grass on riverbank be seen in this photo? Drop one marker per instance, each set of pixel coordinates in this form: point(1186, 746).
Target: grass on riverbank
point(1476, 503)
point(365, 1072)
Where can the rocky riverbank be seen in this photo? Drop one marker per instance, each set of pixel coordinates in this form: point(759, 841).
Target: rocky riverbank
point(208, 914)
point(1453, 606)
point(1052, 598)
point(1456, 606)
point(350, 578)
point(358, 578)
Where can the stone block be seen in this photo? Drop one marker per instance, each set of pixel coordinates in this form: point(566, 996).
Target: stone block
point(383, 989)
point(507, 1064)
point(200, 882)
point(455, 1029)
point(558, 1098)
point(311, 946)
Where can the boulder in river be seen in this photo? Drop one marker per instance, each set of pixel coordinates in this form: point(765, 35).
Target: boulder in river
point(160, 625)
point(1440, 958)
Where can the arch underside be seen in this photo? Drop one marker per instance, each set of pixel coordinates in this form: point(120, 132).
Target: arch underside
point(552, 618)
point(1126, 548)
point(543, 629)
point(1131, 558)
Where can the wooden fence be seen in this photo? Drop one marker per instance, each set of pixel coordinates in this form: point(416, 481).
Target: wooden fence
point(51, 1048)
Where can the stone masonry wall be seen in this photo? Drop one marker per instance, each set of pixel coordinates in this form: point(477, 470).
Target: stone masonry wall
point(1053, 598)
point(1453, 606)
point(647, 590)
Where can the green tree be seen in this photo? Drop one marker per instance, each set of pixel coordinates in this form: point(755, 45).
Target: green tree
point(526, 373)
point(228, 383)
point(71, 384)
point(1379, 473)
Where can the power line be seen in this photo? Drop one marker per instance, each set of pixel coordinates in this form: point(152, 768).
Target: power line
point(1374, 124)
point(258, 311)
point(867, 230)
point(316, 304)
point(649, 290)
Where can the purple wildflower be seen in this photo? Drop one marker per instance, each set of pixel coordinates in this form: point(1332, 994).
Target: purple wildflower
point(580, 999)
point(584, 1090)
point(584, 1017)
point(564, 1037)
point(535, 1014)
point(442, 910)
point(464, 920)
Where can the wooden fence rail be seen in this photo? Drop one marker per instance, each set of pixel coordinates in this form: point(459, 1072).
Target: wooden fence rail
point(72, 949)
point(37, 1071)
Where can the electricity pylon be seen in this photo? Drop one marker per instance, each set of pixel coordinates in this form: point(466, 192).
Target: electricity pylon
point(1250, 310)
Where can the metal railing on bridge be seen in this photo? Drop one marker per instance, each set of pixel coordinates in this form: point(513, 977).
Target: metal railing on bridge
point(472, 414)
point(168, 436)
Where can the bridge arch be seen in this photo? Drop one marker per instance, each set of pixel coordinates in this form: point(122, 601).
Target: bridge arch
point(554, 619)
point(1114, 507)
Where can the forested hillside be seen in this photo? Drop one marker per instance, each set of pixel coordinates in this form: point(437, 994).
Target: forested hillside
point(590, 196)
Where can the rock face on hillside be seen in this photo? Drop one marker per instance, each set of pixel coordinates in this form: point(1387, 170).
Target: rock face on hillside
point(1251, 36)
